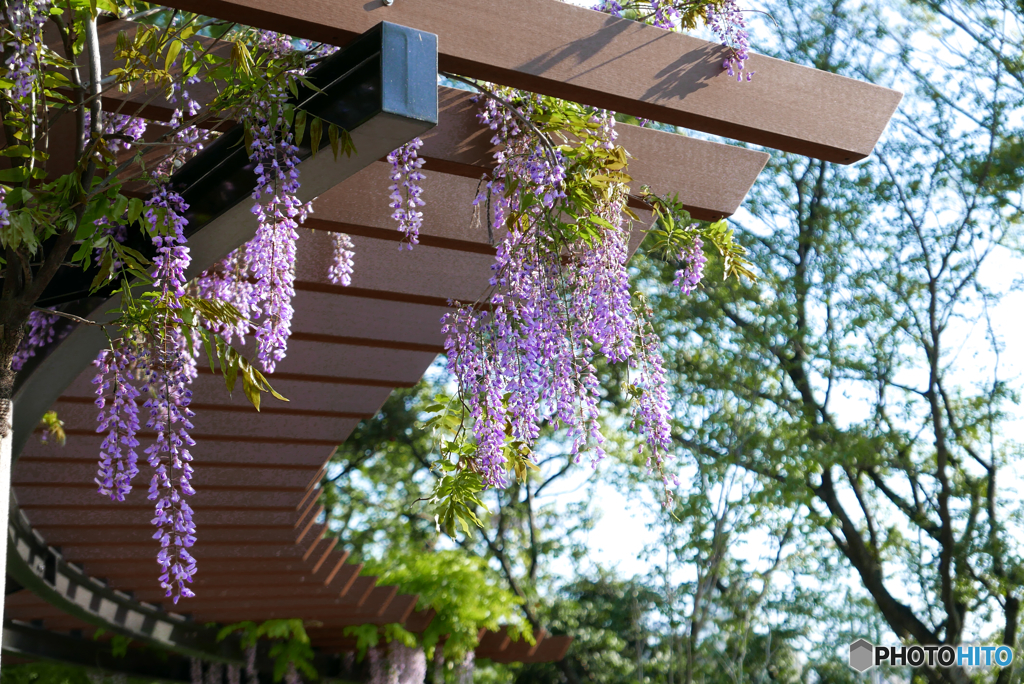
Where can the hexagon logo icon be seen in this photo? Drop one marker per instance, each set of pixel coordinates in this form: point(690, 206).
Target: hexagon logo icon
point(862, 655)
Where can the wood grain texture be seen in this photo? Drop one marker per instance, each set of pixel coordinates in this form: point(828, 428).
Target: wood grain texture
point(558, 49)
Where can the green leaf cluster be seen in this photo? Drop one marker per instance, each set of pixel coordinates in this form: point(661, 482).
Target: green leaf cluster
point(461, 589)
point(289, 644)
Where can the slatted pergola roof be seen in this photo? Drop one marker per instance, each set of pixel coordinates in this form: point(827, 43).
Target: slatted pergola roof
point(85, 562)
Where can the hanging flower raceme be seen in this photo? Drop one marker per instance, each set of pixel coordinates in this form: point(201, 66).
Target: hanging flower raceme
point(118, 418)
point(119, 130)
point(228, 281)
point(40, 333)
point(729, 25)
point(692, 262)
point(252, 673)
point(398, 664)
point(188, 139)
point(560, 296)
point(5, 213)
point(271, 254)
point(21, 40)
point(171, 367)
point(154, 360)
point(342, 259)
point(405, 190)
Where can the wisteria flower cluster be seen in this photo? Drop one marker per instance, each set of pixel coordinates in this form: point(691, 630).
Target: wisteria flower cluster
point(40, 332)
point(24, 19)
point(692, 260)
point(729, 25)
point(5, 214)
point(406, 192)
point(342, 261)
point(271, 254)
point(560, 296)
point(215, 673)
point(154, 360)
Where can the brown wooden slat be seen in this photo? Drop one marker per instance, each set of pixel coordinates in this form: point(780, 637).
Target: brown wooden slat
point(516, 651)
point(237, 439)
point(493, 643)
point(550, 650)
point(578, 54)
point(368, 293)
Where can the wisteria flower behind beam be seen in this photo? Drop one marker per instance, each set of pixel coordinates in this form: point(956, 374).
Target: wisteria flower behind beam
point(405, 190)
point(723, 17)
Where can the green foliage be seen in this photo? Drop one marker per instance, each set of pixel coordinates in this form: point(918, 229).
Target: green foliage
point(43, 673)
point(674, 230)
point(289, 647)
point(54, 427)
point(461, 589)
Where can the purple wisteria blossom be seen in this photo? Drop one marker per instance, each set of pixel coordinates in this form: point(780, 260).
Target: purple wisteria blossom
point(464, 670)
point(189, 139)
point(252, 674)
point(400, 664)
point(40, 332)
point(170, 369)
point(122, 130)
point(118, 418)
point(5, 213)
point(650, 406)
point(692, 262)
point(406, 192)
point(731, 28)
point(132, 128)
point(25, 20)
point(342, 259)
point(529, 356)
point(214, 673)
point(270, 255)
point(228, 281)
point(727, 22)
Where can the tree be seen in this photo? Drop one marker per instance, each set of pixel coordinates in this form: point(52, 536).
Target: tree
point(872, 281)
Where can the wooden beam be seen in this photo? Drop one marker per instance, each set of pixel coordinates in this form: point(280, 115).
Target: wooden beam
point(550, 47)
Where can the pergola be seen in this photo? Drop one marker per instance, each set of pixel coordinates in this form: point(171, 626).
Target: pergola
point(75, 561)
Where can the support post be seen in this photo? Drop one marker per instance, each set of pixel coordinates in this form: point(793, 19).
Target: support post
point(5, 491)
